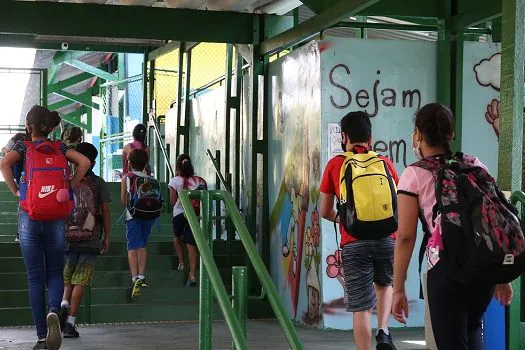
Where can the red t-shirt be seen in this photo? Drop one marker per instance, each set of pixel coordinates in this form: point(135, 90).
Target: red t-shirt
point(330, 185)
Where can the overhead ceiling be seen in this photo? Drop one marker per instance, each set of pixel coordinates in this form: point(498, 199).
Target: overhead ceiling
point(259, 6)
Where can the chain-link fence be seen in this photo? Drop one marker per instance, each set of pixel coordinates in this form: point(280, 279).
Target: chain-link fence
point(122, 110)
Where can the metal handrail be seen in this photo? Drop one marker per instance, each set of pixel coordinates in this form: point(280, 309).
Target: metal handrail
point(516, 197)
point(218, 171)
point(161, 143)
point(203, 239)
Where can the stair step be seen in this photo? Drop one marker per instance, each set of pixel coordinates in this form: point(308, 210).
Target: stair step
point(164, 278)
point(119, 248)
point(120, 263)
point(10, 229)
point(10, 217)
point(136, 312)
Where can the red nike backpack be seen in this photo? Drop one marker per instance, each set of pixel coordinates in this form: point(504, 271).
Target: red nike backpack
point(45, 192)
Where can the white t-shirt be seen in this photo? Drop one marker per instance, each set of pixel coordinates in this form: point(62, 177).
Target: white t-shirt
point(179, 183)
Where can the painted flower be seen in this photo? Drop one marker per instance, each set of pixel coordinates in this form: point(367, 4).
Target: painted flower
point(308, 242)
point(316, 229)
point(335, 264)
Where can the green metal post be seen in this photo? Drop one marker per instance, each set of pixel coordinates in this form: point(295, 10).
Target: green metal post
point(145, 109)
point(43, 88)
point(511, 125)
point(218, 203)
point(240, 297)
point(180, 91)
point(227, 112)
point(151, 87)
point(187, 103)
point(238, 131)
point(205, 291)
point(457, 91)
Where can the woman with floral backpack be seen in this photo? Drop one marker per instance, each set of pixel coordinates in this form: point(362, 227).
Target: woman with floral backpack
point(433, 190)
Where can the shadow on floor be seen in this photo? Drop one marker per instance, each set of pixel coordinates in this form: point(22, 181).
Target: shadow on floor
point(261, 335)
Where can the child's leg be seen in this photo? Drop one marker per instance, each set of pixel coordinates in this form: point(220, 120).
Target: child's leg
point(76, 300)
point(133, 261)
point(193, 253)
point(178, 250)
point(133, 236)
point(179, 224)
point(142, 260)
point(83, 277)
point(142, 251)
point(193, 256)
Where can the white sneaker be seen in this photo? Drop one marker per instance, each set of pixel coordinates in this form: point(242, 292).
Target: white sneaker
point(54, 334)
point(181, 267)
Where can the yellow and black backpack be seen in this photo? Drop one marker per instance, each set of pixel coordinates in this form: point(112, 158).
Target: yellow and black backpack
point(367, 203)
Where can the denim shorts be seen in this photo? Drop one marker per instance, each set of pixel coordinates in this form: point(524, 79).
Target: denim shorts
point(181, 229)
point(137, 233)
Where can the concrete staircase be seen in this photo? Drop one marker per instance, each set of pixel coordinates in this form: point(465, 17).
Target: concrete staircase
point(166, 299)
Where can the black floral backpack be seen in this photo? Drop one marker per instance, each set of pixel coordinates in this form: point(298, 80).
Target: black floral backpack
point(481, 236)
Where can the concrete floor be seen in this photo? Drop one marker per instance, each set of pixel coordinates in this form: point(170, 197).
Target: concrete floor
point(261, 335)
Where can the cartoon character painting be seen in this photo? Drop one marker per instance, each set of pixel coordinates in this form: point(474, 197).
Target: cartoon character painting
point(487, 72)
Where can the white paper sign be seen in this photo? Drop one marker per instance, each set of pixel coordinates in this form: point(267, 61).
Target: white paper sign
point(334, 139)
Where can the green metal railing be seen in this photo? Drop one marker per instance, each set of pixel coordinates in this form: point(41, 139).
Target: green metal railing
point(210, 277)
point(514, 311)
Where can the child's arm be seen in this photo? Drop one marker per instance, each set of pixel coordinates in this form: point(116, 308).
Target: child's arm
point(83, 165)
point(124, 190)
point(6, 167)
point(106, 222)
point(174, 196)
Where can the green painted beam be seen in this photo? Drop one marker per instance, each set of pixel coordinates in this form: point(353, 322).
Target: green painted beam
point(75, 118)
point(64, 56)
point(126, 22)
point(406, 8)
point(52, 73)
point(511, 126)
point(325, 19)
point(92, 70)
point(161, 51)
point(84, 99)
point(471, 13)
point(424, 9)
point(69, 82)
point(30, 41)
point(60, 104)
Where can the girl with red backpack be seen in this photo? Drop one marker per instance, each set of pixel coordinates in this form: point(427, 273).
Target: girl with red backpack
point(45, 201)
point(139, 142)
point(185, 179)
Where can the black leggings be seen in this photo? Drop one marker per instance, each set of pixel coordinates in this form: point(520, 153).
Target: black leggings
point(456, 310)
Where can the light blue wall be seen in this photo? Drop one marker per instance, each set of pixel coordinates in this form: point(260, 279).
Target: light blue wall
point(352, 69)
point(481, 66)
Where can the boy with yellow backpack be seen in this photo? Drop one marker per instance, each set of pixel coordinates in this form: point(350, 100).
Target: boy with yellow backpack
point(364, 184)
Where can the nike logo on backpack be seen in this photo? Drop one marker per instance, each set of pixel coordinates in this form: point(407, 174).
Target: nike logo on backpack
point(46, 191)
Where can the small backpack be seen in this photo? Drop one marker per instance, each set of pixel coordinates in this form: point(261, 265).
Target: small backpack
point(196, 203)
point(82, 222)
point(481, 236)
point(45, 192)
point(144, 197)
point(367, 203)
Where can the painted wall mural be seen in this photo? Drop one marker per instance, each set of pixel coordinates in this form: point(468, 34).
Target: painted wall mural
point(359, 75)
point(481, 111)
point(294, 175)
